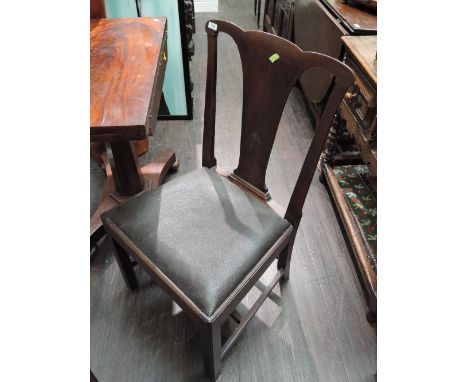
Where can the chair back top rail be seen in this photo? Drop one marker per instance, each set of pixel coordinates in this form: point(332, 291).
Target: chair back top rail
point(271, 66)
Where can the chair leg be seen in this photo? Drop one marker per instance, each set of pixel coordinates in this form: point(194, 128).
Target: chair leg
point(125, 265)
point(284, 259)
point(211, 342)
point(258, 12)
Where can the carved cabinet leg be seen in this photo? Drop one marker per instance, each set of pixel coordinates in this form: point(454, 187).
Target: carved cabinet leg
point(330, 150)
point(211, 342)
point(328, 154)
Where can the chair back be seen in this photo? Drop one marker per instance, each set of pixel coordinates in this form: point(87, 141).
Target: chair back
point(271, 66)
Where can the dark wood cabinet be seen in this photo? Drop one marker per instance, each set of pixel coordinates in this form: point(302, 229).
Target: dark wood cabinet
point(318, 26)
point(315, 29)
point(278, 18)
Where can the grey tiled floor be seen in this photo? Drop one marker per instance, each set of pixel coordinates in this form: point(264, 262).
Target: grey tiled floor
point(313, 328)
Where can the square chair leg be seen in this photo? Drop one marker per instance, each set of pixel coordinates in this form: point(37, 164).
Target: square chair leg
point(211, 343)
point(284, 258)
point(125, 265)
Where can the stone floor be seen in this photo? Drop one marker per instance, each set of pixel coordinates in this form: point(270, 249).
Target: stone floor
point(312, 328)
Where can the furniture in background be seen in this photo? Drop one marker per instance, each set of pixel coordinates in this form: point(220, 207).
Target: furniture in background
point(353, 184)
point(257, 10)
point(189, 22)
point(318, 27)
point(278, 18)
point(321, 26)
point(208, 236)
point(356, 19)
point(98, 11)
point(365, 3)
point(127, 64)
point(176, 101)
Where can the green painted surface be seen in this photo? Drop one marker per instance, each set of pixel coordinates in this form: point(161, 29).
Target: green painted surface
point(174, 83)
point(118, 9)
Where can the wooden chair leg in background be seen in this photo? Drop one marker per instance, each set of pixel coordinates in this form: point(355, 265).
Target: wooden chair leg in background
point(126, 266)
point(211, 343)
point(259, 6)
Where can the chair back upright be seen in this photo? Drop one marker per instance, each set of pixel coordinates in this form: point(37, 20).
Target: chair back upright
point(271, 66)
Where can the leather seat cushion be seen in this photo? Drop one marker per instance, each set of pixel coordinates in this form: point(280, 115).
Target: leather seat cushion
point(203, 232)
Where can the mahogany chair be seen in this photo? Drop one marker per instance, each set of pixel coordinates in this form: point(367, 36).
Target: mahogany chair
point(207, 237)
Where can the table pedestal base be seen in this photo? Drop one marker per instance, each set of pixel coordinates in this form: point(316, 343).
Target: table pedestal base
point(153, 174)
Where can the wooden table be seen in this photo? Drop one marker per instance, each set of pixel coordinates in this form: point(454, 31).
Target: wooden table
point(128, 61)
point(356, 19)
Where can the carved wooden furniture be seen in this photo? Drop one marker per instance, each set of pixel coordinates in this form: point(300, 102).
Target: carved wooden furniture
point(128, 60)
point(318, 27)
point(189, 18)
point(278, 18)
point(359, 108)
point(207, 237)
point(357, 116)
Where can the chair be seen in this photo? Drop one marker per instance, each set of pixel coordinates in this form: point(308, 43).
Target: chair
point(206, 237)
point(257, 10)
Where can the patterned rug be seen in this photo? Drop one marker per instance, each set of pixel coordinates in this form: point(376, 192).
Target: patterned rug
point(362, 199)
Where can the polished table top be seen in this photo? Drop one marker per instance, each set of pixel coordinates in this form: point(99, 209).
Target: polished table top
point(124, 60)
point(364, 51)
point(358, 19)
point(128, 62)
